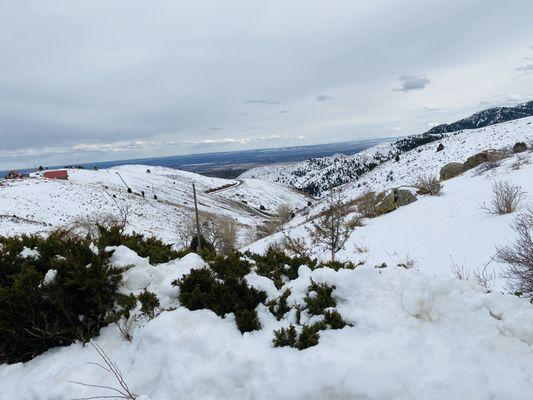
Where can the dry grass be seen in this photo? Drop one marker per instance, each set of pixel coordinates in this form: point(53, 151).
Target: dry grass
point(366, 204)
point(428, 185)
point(122, 390)
point(460, 271)
point(505, 198)
point(520, 160)
point(519, 255)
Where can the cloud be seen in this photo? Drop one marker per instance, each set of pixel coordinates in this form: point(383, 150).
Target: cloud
point(106, 81)
point(412, 82)
point(433, 109)
point(526, 69)
point(270, 102)
point(283, 112)
point(323, 97)
point(140, 145)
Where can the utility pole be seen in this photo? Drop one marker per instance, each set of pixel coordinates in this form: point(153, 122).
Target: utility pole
point(197, 219)
point(123, 181)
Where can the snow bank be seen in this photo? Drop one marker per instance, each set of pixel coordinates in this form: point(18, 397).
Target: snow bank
point(415, 336)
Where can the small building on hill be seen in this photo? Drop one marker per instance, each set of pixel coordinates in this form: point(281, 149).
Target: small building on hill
point(60, 174)
point(14, 175)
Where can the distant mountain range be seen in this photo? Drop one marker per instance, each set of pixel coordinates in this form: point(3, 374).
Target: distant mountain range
point(315, 176)
point(480, 119)
point(485, 118)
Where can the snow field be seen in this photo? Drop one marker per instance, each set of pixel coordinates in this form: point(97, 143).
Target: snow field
point(414, 337)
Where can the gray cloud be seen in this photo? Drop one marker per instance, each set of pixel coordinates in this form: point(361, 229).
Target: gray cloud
point(526, 68)
point(260, 102)
point(283, 111)
point(433, 109)
point(323, 97)
point(75, 75)
point(412, 82)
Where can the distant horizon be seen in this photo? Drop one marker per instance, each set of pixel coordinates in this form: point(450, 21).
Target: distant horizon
point(126, 161)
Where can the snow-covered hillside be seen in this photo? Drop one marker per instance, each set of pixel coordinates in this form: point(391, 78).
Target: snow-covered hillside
point(38, 204)
point(433, 233)
point(414, 337)
point(315, 176)
point(415, 332)
point(425, 159)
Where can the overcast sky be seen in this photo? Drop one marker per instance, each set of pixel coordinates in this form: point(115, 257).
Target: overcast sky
point(100, 80)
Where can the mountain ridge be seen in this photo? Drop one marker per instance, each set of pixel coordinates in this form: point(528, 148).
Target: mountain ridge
point(315, 176)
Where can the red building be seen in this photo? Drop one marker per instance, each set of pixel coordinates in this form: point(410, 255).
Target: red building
point(61, 174)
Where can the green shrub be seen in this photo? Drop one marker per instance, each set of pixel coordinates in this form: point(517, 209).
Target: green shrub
point(308, 336)
point(285, 337)
point(149, 303)
point(247, 320)
point(64, 294)
point(276, 265)
point(197, 288)
point(319, 298)
point(125, 304)
point(231, 265)
point(153, 248)
point(279, 307)
point(334, 320)
point(223, 292)
point(337, 265)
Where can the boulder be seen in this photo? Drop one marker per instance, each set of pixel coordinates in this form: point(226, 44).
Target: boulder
point(440, 147)
point(404, 197)
point(451, 170)
point(480, 158)
point(385, 203)
point(392, 199)
point(519, 147)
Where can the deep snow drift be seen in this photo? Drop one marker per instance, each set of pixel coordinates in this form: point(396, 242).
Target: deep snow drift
point(414, 337)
